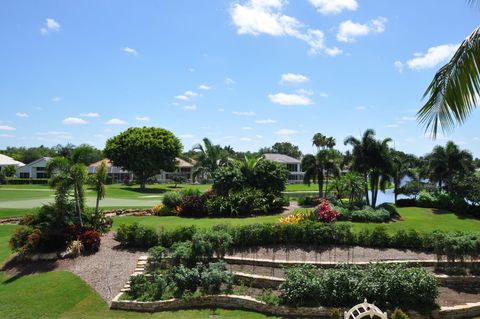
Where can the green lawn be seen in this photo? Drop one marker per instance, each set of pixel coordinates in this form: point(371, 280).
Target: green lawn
point(60, 294)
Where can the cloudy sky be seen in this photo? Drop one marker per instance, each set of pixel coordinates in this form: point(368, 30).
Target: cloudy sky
point(245, 73)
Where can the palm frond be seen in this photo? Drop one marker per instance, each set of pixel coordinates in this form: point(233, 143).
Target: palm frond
point(453, 92)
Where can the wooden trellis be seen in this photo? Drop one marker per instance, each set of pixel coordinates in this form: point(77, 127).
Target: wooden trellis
point(363, 310)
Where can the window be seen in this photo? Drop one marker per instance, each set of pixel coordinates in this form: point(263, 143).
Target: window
point(292, 167)
point(42, 175)
point(40, 169)
point(24, 175)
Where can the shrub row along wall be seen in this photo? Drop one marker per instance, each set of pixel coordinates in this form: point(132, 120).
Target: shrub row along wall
point(455, 246)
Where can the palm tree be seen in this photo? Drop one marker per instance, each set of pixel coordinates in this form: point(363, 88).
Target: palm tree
point(314, 167)
point(401, 169)
point(360, 152)
point(98, 181)
point(445, 163)
point(353, 184)
point(373, 159)
point(66, 176)
point(332, 164)
point(209, 158)
point(319, 140)
point(454, 90)
point(248, 164)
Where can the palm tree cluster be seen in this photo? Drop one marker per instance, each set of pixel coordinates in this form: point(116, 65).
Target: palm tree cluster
point(209, 158)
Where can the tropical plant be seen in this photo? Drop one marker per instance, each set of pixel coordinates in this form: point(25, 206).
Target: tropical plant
point(454, 90)
point(9, 170)
point(145, 151)
point(373, 159)
point(446, 163)
point(209, 158)
point(86, 154)
point(354, 185)
point(321, 141)
point(66, 176)
point(401, 169)
point(98, 181)
point(285, 148)
point(318, 167)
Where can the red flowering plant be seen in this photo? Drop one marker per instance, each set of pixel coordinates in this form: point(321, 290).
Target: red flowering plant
point(326, 213)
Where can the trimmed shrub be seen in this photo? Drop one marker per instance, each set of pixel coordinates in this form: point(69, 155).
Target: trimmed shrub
point(135, 235)
point(214, 276)
point(184, 279)
point(301, 287)
point(90, 240)
point(156, 259)
point(391, 208)
point(171, 200)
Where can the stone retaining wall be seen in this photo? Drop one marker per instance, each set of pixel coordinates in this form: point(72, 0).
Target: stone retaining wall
point(10, 221)
point(128, 212)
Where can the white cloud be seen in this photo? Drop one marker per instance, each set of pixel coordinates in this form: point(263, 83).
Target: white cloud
point(130, 51)
point(50, 25)
point(115, 121)
point(305, 92)
point(286, 132)
point(204, 87)
point(398, 65)
point(289, 99)
point(142, 118)
point(257, 17)
point(391, 125)
point(190, 107)
point(190, 93)
point(245, 139)
point(191, 70)
point(221, 110)
point(90, 114)
point(408, 118)
point(229, 81)
point(181, 97)
point(333, 51)
point(266, 121)
point(348, 30)
point(323, 94)
point(7, 136)
point(21, 114)
point(6, 128)
point(334, 6)
point(360, 108)
point(74, 121)
point(247, 128)
point(187, 136)
point(433, 57)
point(250, 113)
point(56, 99)
point(293, 78)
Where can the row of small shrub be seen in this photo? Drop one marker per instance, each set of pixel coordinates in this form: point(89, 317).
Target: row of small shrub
point(385, 285)
point(308, 233)
point(247, 201)
point(181, 281)
point(18, 181)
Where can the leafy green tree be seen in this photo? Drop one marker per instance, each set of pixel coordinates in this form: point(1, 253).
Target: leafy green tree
point(402, 168)
point(285, 148)
point(66, 177)
point(209, 158)
point(9, 171)
point(446, 163)
point(177, 178)
point(144, 151)
point(270, 177)
point(315, 167)
point(98, 181)
point(86, 154)
point(354, 185)
point(321, 141)
point(64, 150)
point(454, 90)
point(333, 160)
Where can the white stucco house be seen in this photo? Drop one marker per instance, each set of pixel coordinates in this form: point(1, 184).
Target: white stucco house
point(293, 165)
point(35, 169)
point(184, 168)
point(8, 161)
point(116, 175)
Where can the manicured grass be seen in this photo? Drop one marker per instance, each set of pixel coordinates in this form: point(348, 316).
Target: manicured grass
point(6, 232)
point(13, 212)
point(61, 294)
point(171, 222)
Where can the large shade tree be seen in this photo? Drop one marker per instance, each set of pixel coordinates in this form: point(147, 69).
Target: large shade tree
point(285, 148)
point(145, 151)
point(454, 90)
point(317, 166)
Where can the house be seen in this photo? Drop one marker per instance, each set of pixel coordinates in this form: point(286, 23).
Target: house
point(8, 161)
point(293, 165)
point(184, 168)
point(116, 175)
point(35, 169)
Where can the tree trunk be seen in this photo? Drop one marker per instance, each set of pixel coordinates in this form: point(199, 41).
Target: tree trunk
point(97, 204)
point(77, 204)
point(365, 176)
point(320, 184)
point(326, 185)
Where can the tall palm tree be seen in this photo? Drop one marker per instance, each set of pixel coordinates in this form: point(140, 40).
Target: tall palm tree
point(373, 159)
point(454, 90)
point(332, 164)
point(321, 141)
point(360, 152)
point(445, 163)
point(248, 164)
point(314, 167)
point(401, 169)
point(66, 177)
point(353, 184)
point(209, 158)
point(98, 181)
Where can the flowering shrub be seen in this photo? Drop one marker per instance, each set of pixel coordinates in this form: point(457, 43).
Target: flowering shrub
point(326, 213)
point(25, 240)
point(294, 219)
point(161, 210)
point(90, 240)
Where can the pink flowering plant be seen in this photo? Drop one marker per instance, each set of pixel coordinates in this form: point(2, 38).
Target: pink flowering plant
point(326, 213)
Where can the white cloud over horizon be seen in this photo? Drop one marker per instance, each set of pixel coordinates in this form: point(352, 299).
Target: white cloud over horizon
point(74, 121)
point(115, 121)
point(349, 31)
point(21, 114)
point(130, 51)
point(432, 58)
point(90, 114)
point(266, 121)
point(7, 128)
point(286, 132)
point(334, 6)
point(50, 25)
point(240, 113)
point(289, 99)
point(293, 78)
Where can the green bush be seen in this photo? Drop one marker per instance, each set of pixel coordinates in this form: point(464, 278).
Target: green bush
point(181, 253)
point(399, 314)
point(184, 279)
point(391, 208)
point(135, 235)
point(172, 200)
point(214, 276)
point(343, 286)
point(156, 259)
point(365, 215)
point(142, 289)
point(267, 296)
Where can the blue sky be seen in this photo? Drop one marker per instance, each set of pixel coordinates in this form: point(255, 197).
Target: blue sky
point(243, 73)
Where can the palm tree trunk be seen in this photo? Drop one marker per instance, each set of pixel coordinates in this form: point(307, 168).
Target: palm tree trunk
point(77, 205)
point(365, 175)
point(326, 184)
point(320, 183)
point(97, 204)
